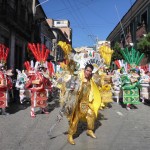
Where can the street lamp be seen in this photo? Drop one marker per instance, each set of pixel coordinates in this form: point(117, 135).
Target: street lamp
point(34, 7)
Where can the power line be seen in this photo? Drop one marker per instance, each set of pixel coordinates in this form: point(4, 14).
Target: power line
point(121, 24)
point(74, 16)
point(83, 19)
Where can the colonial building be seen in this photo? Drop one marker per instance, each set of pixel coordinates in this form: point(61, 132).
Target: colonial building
point(62, 32)
point(20, 25)
point(135, 24)
point(64, 26)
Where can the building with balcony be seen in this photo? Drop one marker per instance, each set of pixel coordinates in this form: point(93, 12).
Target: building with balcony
point(15, 28)
point(19, 25)
point(135, 23)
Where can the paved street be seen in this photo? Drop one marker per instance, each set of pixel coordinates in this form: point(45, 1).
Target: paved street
point(118, 130)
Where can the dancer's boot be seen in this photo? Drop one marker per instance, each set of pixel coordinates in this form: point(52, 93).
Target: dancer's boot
point(91, 134)
point(70, 139)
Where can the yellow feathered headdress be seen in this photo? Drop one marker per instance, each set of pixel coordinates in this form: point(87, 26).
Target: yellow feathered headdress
point(106, 54)
point(65, 47)
point(70, 64)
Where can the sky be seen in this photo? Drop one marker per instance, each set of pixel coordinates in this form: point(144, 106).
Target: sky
point(90, 20)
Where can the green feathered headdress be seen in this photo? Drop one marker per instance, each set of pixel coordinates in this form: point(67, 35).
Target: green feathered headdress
point(132, 57)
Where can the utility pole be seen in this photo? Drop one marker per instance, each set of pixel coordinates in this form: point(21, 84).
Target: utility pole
point(95, 39)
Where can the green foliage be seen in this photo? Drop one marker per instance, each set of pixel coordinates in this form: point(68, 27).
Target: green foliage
point(144, 45)
point(117, 52)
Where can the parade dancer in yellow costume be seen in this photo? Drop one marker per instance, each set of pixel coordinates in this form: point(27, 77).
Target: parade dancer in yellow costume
point(86, 106)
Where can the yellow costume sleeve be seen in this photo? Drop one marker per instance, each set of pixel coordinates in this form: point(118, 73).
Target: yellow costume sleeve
point(96, 103)
point(94, 96)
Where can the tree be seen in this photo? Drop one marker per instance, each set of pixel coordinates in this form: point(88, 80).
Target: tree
point(117, 52)
point(144, 45)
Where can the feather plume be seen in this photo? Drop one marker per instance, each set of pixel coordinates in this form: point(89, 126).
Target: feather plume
point(133, 57)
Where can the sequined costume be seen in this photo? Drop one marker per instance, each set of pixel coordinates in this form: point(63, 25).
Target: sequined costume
point(86, 107)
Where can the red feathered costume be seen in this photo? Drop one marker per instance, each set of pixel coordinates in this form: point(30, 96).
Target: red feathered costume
point(5, 80)
point(39, 78)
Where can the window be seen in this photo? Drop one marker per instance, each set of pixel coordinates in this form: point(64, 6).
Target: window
point(122, 36)
point(144, 18)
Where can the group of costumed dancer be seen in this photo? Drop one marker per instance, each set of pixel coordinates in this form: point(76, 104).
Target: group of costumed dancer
point(33, 83)
point(84, 83)
point(84, 86)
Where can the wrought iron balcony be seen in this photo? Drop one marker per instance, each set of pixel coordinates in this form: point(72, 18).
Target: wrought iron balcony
point(128, 38)
point(141, 30)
